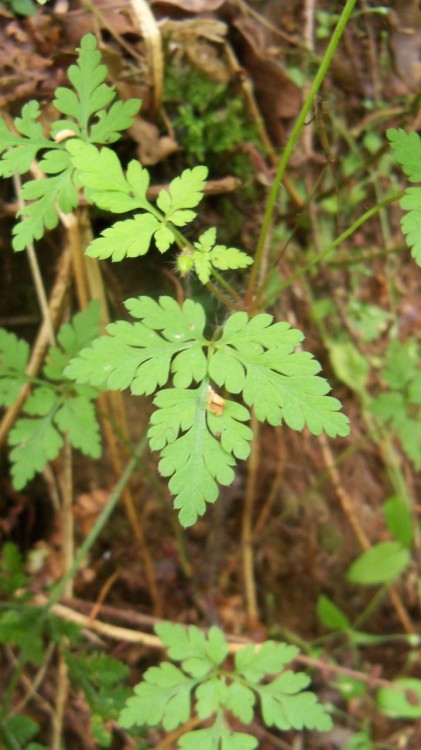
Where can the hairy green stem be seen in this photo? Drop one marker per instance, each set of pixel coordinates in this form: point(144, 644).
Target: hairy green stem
point(283, 162)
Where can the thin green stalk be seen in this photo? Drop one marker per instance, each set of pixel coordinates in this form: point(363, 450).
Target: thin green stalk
point(59, 589)
point(342, 237)
point(289, 148)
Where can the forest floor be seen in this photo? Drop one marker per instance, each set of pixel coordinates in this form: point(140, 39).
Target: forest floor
point(234, 77)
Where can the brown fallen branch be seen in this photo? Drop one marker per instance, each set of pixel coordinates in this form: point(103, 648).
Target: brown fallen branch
point(235, 643)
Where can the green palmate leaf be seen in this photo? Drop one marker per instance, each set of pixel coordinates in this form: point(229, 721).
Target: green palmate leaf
point(256, 357)
point(42, 213)
point(111, 123)
point(57, 408)
point(253, 663)
point(101, 175)
point(92, 95)
point(88, 100)
point(407, 150)
point(285, 707)
point(196, 454)
point(163, 697)
point(185, 192)
point(199, 654)
point(217, 737)
point(383, 563)
point(125, 239)
point(200, 443)
point(135, 355)
point(19, 151)
point(77, 419)
point(14, 356)
point(209, 256)
point(35, 442)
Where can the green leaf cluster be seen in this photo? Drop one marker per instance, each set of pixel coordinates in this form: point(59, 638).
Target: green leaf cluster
point(90, 113)
point(407, 150)
point(105, 184)
point(400, 405)
point(208, 120)
point(252, 357)
point(166, 692)
point(18, 731)
point(55, 406)
point(99, 676)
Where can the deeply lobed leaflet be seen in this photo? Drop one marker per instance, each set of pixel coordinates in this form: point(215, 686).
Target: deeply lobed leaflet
point(252, 357)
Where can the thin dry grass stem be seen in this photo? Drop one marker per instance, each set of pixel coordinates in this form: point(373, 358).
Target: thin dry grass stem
point(308, 38)
point(31, 685)
point(348, 508)
point(153, 42)
point(247, 523)
point(346, 501)
point(91, 269)
point(62, 692)
point(67, 519)
point(93, 614)
point(115, 632)
point(274, 490)
point(42, 342)
point(71, 224)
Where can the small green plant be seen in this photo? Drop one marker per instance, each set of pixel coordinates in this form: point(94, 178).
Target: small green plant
point(208, 120)
point(94, 117)
point(251, 357)
point(25, 628)
point(56, 407)
point(165, 694)
point(182, 358)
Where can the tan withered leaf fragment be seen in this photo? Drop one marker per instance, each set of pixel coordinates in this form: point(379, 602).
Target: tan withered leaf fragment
point(87, 508)
point(152, 147)
point(216, 404)
point(200, 40)
point(192, 6)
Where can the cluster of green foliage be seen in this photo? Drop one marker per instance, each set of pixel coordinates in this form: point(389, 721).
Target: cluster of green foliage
point(25, 627)
point(249, 357)
point(177, 355)
point(252, 357)
point(164, 695)
point(55, 407)
point(208, 119)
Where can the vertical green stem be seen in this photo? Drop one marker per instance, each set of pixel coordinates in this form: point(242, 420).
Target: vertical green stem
point(299, 124)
